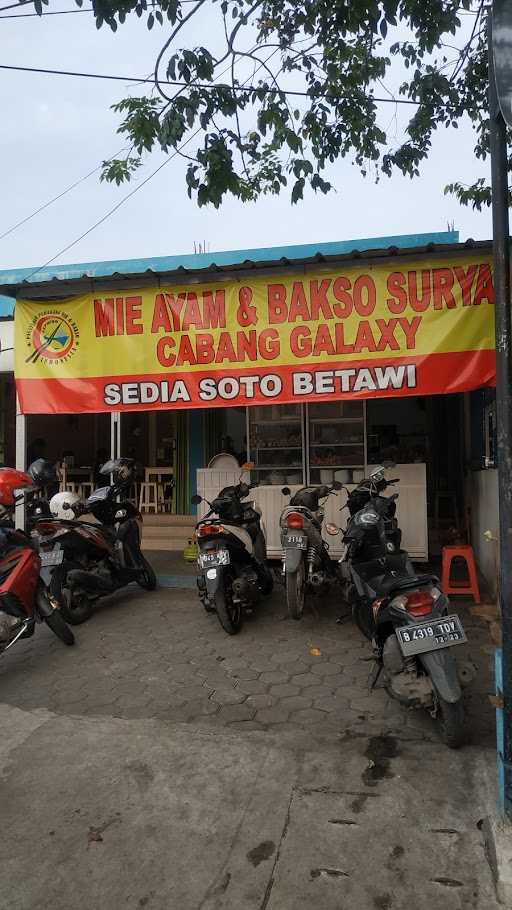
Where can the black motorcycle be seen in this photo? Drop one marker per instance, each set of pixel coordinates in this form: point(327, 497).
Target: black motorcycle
point(405, 615)
point(86, 561)
point(306, 561)
point(232, 556)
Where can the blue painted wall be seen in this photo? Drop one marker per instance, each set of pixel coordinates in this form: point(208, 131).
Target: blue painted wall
point(203, 260)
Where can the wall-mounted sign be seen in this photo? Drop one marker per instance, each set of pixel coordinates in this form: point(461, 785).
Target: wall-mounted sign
point(413, 328)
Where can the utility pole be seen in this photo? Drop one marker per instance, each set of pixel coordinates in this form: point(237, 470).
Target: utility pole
point(503, 316)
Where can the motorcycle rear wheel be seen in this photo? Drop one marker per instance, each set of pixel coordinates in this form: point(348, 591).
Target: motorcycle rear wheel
point(229, 613)
point(451, 720)
point(295, 592)
point(147, 578)
point(59, 627)
point(74, 610)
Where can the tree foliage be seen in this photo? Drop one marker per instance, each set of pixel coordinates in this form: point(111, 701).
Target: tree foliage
point(263, 95)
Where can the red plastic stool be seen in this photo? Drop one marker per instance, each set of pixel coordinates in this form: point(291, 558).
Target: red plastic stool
point(460, 587)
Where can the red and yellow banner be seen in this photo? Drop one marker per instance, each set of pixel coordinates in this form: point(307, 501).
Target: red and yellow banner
point(417, 328)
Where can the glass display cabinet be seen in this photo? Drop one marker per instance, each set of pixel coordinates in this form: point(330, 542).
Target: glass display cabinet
point(314, 443)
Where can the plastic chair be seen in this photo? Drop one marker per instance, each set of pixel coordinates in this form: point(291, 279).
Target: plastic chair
point(465, 552)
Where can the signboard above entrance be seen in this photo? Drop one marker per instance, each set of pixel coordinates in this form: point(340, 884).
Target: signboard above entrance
point(416, 328)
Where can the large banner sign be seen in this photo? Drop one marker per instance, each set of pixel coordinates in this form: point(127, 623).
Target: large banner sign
point(369, 331)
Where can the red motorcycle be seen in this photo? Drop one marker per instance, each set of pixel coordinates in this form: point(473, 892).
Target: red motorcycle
point(24, 599)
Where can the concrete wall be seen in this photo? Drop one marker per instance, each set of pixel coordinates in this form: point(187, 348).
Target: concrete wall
point(483, 500)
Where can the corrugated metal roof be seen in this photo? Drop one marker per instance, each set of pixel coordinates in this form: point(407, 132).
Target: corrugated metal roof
point(13, 281)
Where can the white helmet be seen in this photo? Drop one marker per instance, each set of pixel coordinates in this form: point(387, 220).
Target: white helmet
point(61, 503)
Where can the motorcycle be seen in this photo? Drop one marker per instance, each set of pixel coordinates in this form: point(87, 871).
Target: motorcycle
point(404, 614)
point(88, 561)
point(24, 599)
point(232, 557)
point(306, 560)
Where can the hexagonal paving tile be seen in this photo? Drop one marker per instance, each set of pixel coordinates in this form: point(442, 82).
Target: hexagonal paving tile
point(275, 715)
point(230, 713)
point(283, 690)
point(295, 703)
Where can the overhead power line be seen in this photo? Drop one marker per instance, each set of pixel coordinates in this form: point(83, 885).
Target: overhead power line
point(17, 5)
point(85, 177)
point(113, 209)
point(132, 192)
point(56, 12)
point(204, 86)
point(54, 199)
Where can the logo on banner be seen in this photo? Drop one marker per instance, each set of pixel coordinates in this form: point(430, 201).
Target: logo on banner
point(53, 338)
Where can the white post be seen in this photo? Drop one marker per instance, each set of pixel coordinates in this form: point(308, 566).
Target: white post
point(115, 434)
point(21, 457)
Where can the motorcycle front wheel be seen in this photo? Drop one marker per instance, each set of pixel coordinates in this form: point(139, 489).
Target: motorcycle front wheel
point(451, 720)
point(56, 623)
point(147, 577)
point(295, 592)
point(229, 613)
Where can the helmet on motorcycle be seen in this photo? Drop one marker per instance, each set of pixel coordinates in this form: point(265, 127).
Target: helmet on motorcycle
point(61, 505)
point(11, 480)
point(122, 469)
point(42, 472)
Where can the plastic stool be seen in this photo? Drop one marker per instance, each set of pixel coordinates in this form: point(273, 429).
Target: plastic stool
point(465, 552)
point(148, 497)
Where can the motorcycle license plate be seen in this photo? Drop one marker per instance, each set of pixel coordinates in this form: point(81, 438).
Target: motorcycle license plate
point(52, 557)
point(292, 541)
point(214, 558)
point(430, 636)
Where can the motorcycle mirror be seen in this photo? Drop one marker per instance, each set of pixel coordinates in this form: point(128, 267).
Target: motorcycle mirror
point(332, 529)
point(286, 491)
point(196, 499)
point(337, 485)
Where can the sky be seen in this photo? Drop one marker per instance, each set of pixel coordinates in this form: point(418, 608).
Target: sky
point(54, 130)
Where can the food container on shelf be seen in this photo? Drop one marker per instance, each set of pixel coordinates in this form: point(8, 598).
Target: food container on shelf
point(326, 476)
point(294, 478)
point(357, 476)
point(344, 476)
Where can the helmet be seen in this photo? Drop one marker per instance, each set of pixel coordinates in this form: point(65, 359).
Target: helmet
point(42, 472)
point(11, 480)
point(121, 468)
point(61, 505)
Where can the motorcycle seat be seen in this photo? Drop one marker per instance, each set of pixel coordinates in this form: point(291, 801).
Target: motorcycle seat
point(390, 584)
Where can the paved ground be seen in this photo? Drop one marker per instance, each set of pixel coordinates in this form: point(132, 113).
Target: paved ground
point(161, 656)
point(163, 764)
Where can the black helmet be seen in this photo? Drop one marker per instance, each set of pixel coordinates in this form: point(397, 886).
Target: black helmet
point(121, 468)
point(42, 472)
